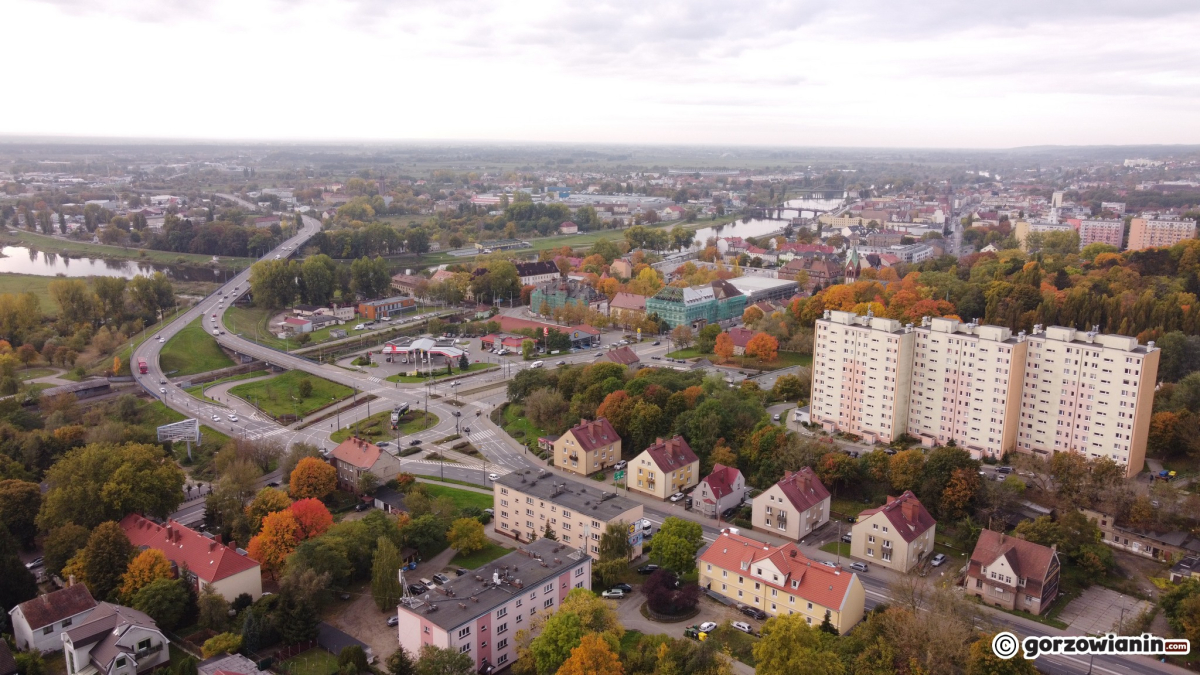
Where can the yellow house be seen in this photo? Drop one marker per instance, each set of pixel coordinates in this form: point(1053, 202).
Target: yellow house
point(896, 535)
point(664, 468)
point(780, 580)
point(588, 447)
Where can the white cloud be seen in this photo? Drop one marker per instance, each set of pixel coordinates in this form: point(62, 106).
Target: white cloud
point(815, 72)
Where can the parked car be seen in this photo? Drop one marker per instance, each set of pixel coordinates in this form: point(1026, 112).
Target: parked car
point(852, 519)
point(620, 465)
point(427, 583)
point(490, 512)
point(35, 563)
point(646, 525)
point(393, 621)
point(859, 567)
point(754, 613)
point(440, 579)
point(728, 513)
point(459, 572)
point(362, 506)
point(743, 626)
point(647, 569)
point(493, 477)
point(1004, 469)
point(358, 327)
point(677, 496)
point(613, 594)
point(847, 538)
point(829, 564)
point(708, 627)
point(623, 587)
point(938, 559)
point(416, 589)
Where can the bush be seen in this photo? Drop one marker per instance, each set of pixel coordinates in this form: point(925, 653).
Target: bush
point(410, 451)
point(666, 594)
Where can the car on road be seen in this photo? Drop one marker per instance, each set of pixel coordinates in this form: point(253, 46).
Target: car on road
point(613, 594)
point(440, 579)
point(214, 316)
point(417, 589)
point(598, 355)
point(35, 563)
point(161, 339)
point(273, 484)
point(233, 418)
point(859, 567)
point(466, 430)
point(216, 418)
point(775, 417)
point(646, 524)
point(677, 496)
point(938, 559)
point(620, 465)
point(415, 441)
point(382, 444)
point(162, 390)
point(561, 363)
point(358, 327)
point(743, 626)
point(456, 413)
point(647, 569)
point(493, 477)
point(753, 612)
point(708, 627)
point(537, 364)
point(393, 621)
point(623, 587)
point(655, 343)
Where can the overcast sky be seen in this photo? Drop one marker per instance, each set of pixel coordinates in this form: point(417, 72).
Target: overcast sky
point(929, 73)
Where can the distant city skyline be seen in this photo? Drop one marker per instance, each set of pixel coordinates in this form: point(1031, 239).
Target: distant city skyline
point(815, 73)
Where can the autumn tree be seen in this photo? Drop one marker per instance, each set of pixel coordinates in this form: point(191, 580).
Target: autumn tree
point(105, 481)
point(682, 336)
point(789, 646)
point(905, 469)
point(433, 660)
point(225, 643)
point(764, 347)
point(267, 501)
point(146, 567)
point(751, 315)
point(312, 518)
point(104, 560)
point(593, 655)
point(960, 492)
point(312, 478)
point(275, 542)
point(983, 661)
point(466, 535)
point(724, 347)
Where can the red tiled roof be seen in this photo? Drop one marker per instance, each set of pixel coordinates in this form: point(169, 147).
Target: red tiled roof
point(593, 434)
point(803, 489)
point(357, 452)
point(906, 514)
point(206, 558)
point(1027, 559)
point(672, 454)
point(741, 336)
point(54, 607)
point(628, 301)
point(623, 355)
point(585, 329)
point(819, 584)
point(721, 480)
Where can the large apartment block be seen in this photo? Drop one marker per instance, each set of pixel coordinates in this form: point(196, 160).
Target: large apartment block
point(578, 514)
point(990, 392)
point(1101, 231)
point(862, 371)
point(1089, 393)
point(966, 386)
point(1154, 232)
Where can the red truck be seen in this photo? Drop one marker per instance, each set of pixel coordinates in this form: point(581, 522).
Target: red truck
point(142, 367)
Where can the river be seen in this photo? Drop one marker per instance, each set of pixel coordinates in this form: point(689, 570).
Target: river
point(22, 260)
point(756, 227)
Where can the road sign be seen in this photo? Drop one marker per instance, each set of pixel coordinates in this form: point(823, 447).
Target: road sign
point(618, 475)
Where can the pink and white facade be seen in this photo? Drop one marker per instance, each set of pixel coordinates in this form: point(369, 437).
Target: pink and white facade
point(862, 373)
point(1110, 232)
point(480, 612)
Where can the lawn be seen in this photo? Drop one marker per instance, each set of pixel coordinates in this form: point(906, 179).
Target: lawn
point(34, 373)
point(315, 661)
point(518, 426)
point(89, 250)
point(198, 390)
point(191, 351)
point(279, 395)
point(378, 427)
point(30, 283)
point(479, 558)
point(784, 360)
point(836, 547)
point(472, 368)
point(461, 498)
point(847, 507)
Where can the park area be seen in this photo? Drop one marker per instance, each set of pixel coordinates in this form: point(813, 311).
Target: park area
point(191, 351)
point(378, 427)
point(287, 394)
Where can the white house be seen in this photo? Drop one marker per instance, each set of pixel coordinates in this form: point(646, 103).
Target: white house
point(722, 489)
point(37, 623)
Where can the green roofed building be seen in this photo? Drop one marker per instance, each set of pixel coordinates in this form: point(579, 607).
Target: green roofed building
point(697, 306)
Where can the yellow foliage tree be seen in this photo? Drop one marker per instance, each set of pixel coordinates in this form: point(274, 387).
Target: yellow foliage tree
point(313, 478)
point(593, 655)
point(148, 566)
point(275, 542)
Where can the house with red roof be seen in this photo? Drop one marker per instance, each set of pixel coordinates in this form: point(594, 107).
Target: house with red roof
point(354, 457)
point(208, 561)
point(623, 356)
point(626, 308)
point(722, 489)
point(588, 447)
point(664, 468)
point(568, 228)
point(793, 507)
point(896, 535)
point(1012, 573)
point(741, 337)
point(781, 580)
point(37, 624)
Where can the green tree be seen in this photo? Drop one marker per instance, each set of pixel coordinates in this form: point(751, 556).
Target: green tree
point(443, 661)
point(560, 634)
point(164, 600)
point(983, 661)
point(225, 643)
point(16, 583)
point(466, 535)
point(304, 388)
point(676, 544)
point(105, 481)
point(385, 570)
point(789, 646)
point(105, 559)
point(62, 544)
point(212, 609)
point(19, 504)
point(353, 657)
point(401, 663)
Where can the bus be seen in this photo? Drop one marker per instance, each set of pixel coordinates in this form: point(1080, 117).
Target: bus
point(142, 367)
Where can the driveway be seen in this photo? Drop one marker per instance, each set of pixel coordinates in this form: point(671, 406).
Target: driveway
point(1098, 610)
point(362, 619)
point(630, 615)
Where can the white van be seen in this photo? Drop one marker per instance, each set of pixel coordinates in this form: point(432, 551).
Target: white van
point(536, 364)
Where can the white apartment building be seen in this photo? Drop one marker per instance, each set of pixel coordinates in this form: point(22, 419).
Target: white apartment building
point(1089, 393)
point(966, 386)
point(862, 372)
point(577, 513)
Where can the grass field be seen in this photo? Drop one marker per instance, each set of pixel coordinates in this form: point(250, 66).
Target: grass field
point(784, 360)
point(29, 283)
point(479, 558)
point(192, 351)
point(198, 390)
point(835, 547)
point(378, 427)
point(280, 396)
point(461, 498)
point(86, 249)
point(312, 662)
point(515, 421)
point(472, 368)
point(34, 373)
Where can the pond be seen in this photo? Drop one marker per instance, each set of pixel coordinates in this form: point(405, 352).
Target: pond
point(756, 227)
point(22, 260)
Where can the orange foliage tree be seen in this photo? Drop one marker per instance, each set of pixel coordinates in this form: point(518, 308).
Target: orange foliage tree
point(313, 478)
point(724, 346)
point(312, 518)
point(271, 546)
point(148, 566)
point(962, 488)
point(763, 346)
point(593, 655)
point(751, 315)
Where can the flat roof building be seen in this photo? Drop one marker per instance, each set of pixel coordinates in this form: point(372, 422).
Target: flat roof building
point(763, 288)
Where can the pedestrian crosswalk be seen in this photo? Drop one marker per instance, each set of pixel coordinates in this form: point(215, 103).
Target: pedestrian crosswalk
point(374, 379)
